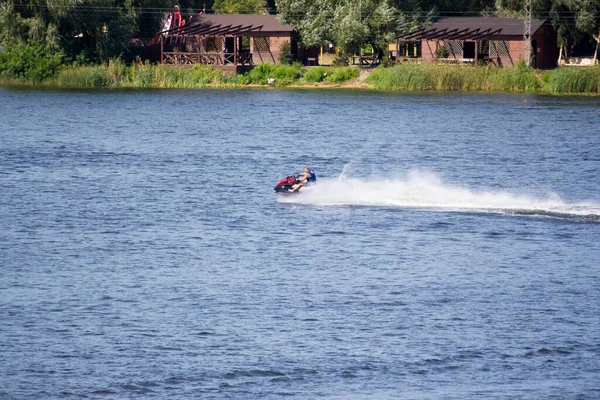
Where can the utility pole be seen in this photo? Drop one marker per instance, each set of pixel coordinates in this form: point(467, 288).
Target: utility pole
point(527, 33)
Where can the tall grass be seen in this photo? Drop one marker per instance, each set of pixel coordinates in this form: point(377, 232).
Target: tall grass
point(574, 80)
point(281, 74)
point(331, 75)
point(403, 77)
point(118, 74)
point(419, 77)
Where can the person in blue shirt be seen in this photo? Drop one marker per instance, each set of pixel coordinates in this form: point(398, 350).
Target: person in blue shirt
point(308, 176)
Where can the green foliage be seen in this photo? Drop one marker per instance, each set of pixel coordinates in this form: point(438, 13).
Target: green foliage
point(346, 23)
point(519, 78)
point(331, 75)
point(546, 77)
point(411, 77)
point(117, 74)
point(206, 75)
point(29, 61)
point(442, 52)
point(574, 20)
point(286, 74)
point(339, 75)
point(259, 75)
point(282, 74)
point(575, 80)
point(285, 53)
point(238, 6)
point(142, 75)
point(316, 74)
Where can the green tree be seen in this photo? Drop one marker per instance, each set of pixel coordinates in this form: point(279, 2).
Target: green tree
point(102, 26)
point(575, 20)
point(239, 6)
point(29, 61)
point(349, 24)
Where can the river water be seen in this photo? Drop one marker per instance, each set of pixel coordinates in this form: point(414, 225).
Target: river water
point(451, 249)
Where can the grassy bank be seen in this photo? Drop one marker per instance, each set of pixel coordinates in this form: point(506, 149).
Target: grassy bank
point(117, 74)
point(403, 77)
point(419, 77)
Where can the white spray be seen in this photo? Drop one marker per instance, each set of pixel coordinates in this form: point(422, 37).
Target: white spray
point(425, 190)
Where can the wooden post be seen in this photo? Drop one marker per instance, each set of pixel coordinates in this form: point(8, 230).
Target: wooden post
point(597, 45)
point(198, 41)
point(162, 50)
point(235, 52)
point(476, 52)
point(397, 51)
point(559, 56)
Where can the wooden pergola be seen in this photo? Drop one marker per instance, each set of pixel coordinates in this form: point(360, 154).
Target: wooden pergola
point(216, 40)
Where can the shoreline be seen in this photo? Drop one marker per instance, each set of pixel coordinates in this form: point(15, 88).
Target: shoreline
point(398, 79)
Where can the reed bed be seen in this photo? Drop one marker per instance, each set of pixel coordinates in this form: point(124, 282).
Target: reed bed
point(574, 80)
point(118, 74)
point(403, 77)
point(422, 77)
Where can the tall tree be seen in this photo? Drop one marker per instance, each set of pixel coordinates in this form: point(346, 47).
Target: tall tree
point(575, 20)
point(102, 26)
point(348, 24)
point(239, 6)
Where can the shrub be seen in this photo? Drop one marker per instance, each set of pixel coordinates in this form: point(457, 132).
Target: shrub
point(340, 59)
point(285, 54)
point(316, 74)
point(259, 75)
point(340, 75)
point(286, 74)
point(29, 61)
point(442, 52)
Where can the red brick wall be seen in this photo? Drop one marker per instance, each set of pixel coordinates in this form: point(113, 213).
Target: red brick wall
point(428, 48)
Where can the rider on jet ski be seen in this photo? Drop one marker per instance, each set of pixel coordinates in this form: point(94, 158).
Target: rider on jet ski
point(308, 176)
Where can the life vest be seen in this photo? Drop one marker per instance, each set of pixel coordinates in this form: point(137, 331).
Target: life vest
point(313, 176)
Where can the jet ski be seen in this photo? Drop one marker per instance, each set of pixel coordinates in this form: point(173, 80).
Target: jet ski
point(286, 185)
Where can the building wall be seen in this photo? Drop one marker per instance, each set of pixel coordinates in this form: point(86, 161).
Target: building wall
point(546, 55)
point(271, 56)
point(428, 48)
point(515, 49)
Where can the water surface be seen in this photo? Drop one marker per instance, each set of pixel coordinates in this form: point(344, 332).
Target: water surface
point(450, 250)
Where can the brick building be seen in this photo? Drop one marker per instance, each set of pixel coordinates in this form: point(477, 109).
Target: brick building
point(479, 39)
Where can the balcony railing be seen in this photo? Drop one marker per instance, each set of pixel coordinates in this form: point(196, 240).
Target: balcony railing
point(207, 58)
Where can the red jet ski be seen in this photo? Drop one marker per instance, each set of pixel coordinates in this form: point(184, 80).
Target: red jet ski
point(286, 185)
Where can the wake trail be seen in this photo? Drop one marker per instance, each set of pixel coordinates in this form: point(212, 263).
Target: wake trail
point(426, 191)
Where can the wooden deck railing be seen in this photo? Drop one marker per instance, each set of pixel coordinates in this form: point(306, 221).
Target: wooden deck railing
point(209, 58)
